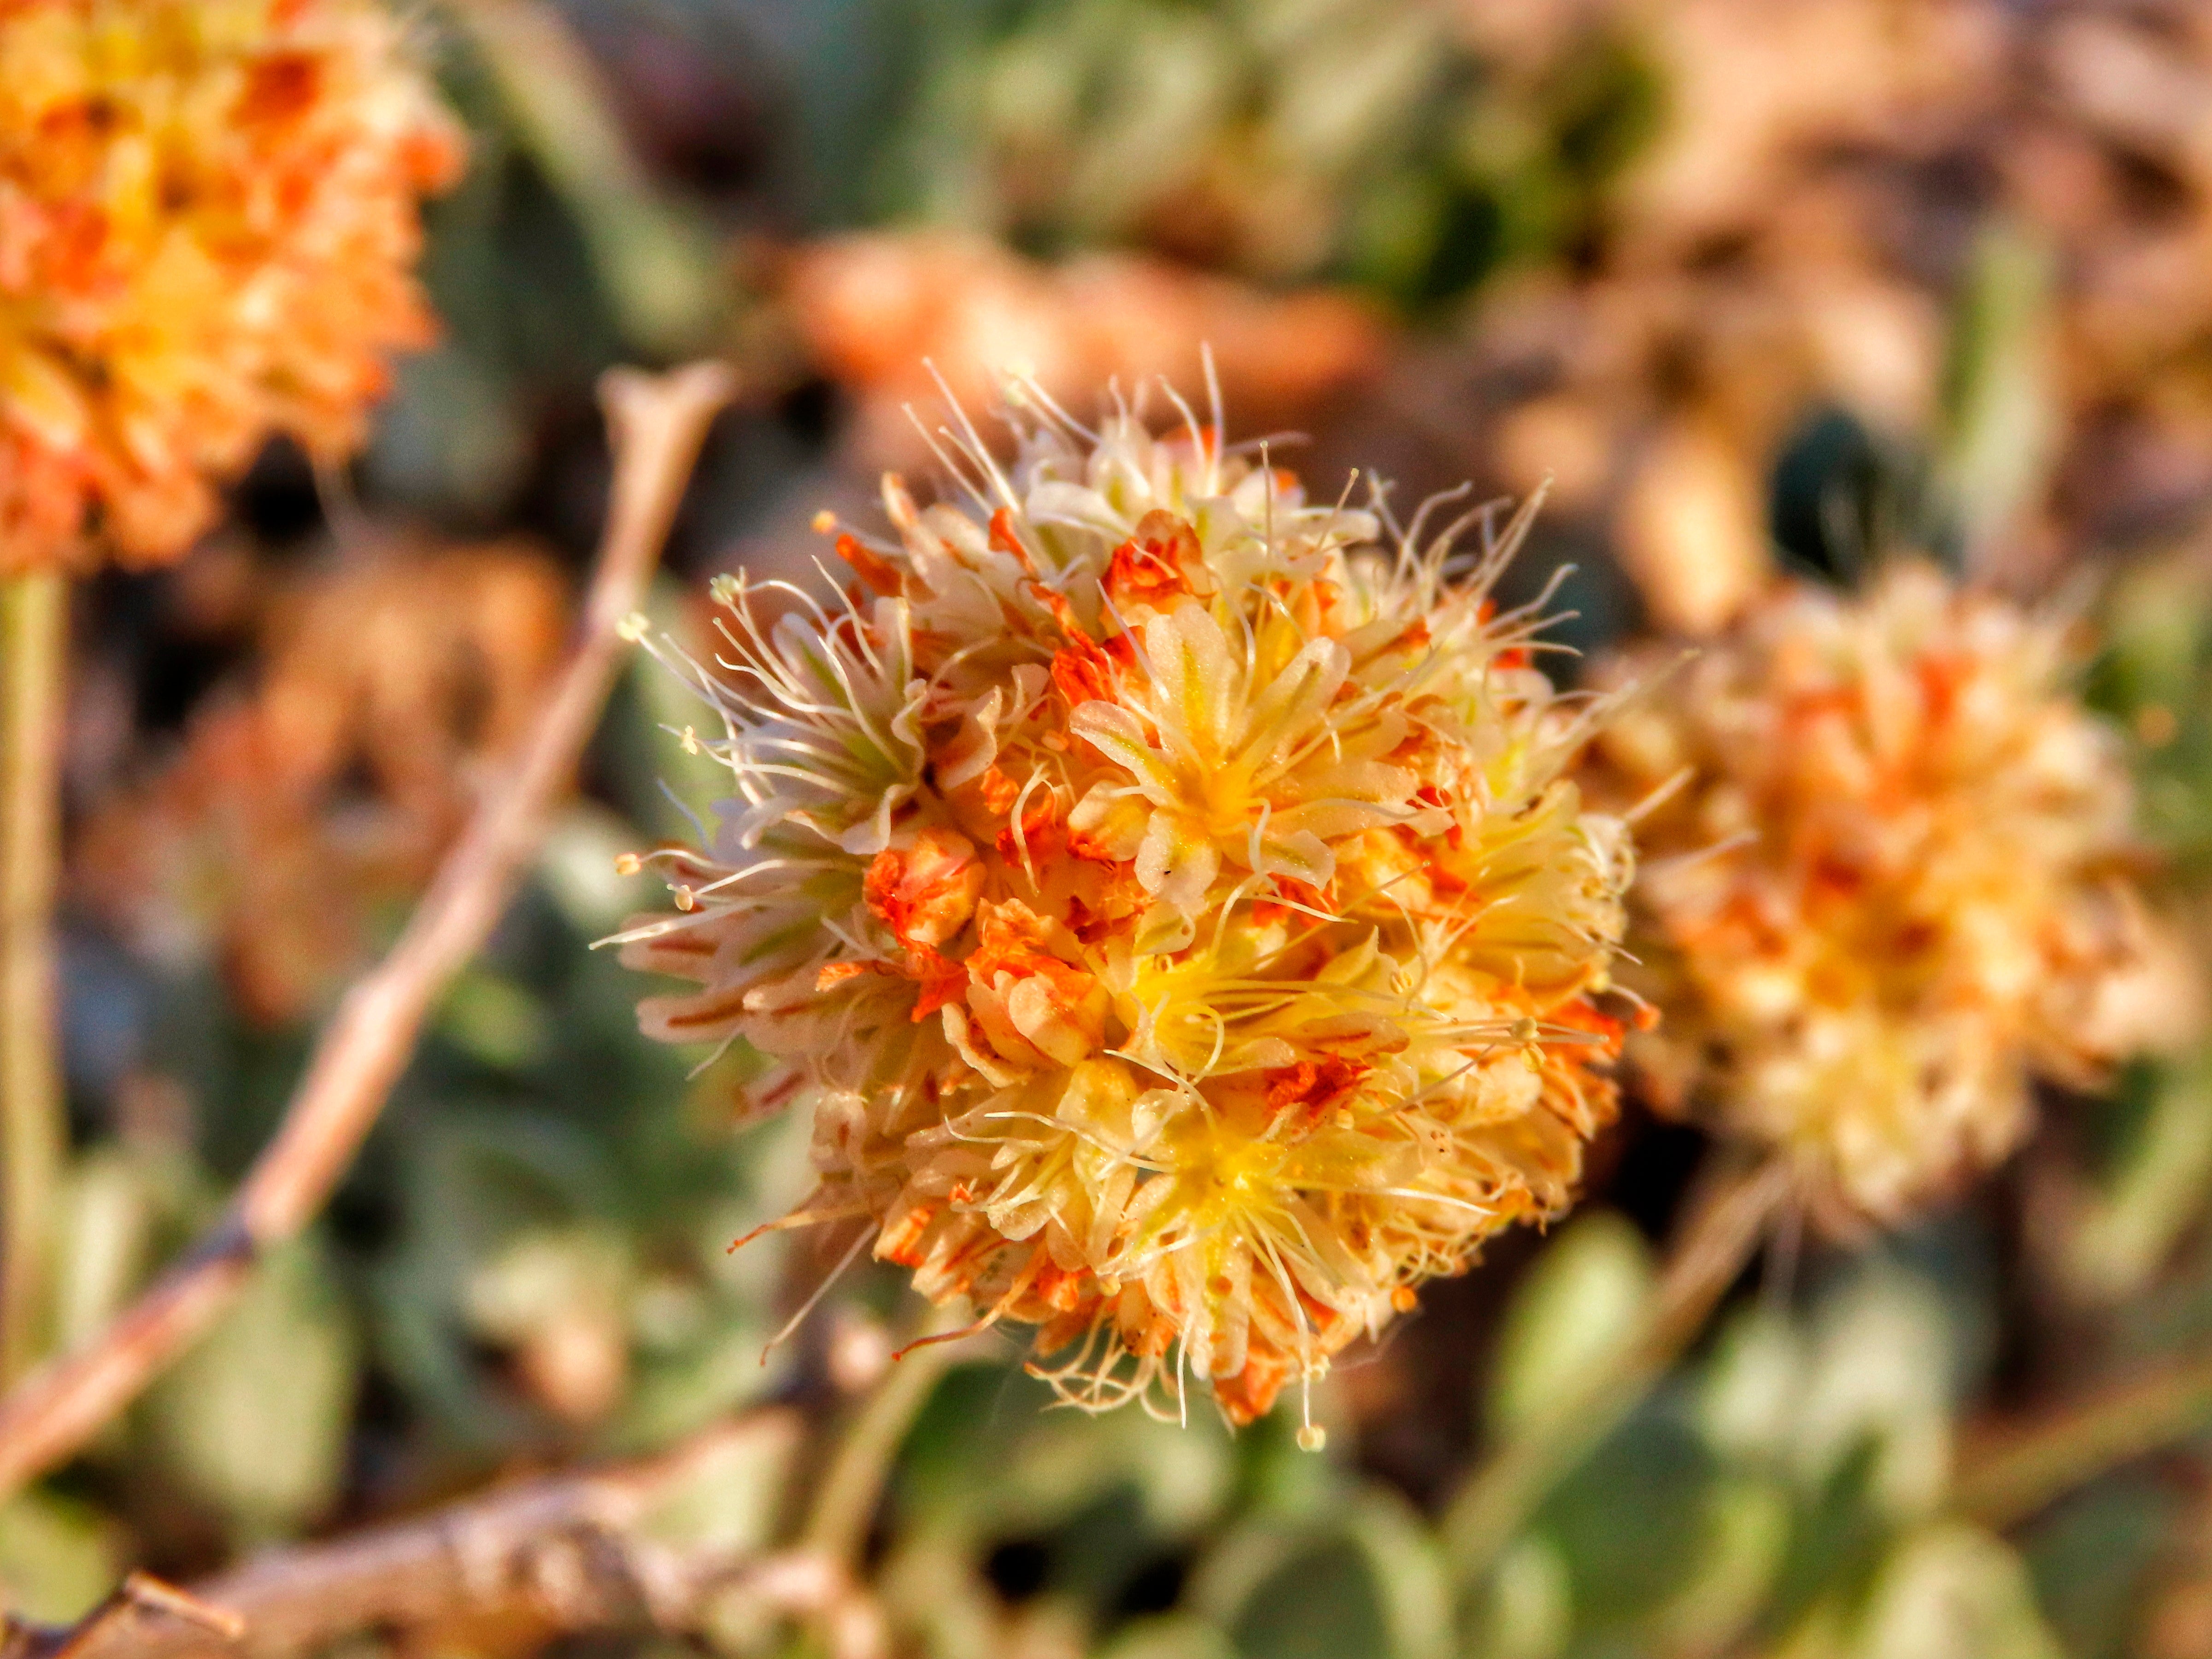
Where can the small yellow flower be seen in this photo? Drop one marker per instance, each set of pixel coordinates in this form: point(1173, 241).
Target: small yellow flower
point(207, 215)
point(1166, 896)
point(1894, 889)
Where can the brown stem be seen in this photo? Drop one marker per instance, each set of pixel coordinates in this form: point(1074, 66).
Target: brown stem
point(657, 423)
point(34, 1133)
point(120, 1619)
point(599, 1549)
point(2009, 1472)
point(1711, 1250)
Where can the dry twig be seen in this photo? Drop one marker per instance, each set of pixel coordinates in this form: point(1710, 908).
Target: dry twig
point(118, 1624)
point(595, 1550)
point(657, 425)
point(2010, 1470)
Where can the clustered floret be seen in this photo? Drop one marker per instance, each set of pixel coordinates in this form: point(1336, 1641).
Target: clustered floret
point(1891, 883)
point(207, 218)
point(1167, 896)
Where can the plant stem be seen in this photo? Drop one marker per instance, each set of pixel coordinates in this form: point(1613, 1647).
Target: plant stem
point(34, 1132)
point(2007, 1474)
point(1711, 1250)
point(657, 423)
point(845, 1499)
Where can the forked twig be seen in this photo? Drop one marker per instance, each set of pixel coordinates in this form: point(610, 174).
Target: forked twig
point(118, 1624)
point(657, 423)
point(597, 1549)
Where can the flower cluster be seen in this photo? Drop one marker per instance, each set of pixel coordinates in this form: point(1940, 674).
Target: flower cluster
point(386, 685)
point(207, 215)
point(1886, 883)
point(886, 313)
point(1166, 896)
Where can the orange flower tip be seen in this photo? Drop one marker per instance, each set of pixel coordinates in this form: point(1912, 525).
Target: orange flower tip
point(686, 899)
point(1403, 1299)
point(744, 1239)
point(823, 523)
point(627, 864)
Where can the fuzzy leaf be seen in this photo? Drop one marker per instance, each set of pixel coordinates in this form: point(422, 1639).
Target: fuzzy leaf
point(1578, 1307)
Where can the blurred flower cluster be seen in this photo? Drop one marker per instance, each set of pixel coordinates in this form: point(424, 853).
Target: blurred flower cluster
point(293, 812)
point(1889, 857)
point(903, 319)
point(209, 215)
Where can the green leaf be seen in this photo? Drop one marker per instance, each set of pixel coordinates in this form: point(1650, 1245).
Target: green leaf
point(1177, 1636)
point(1836, 1543)
point(1752, 1386)
point(1368, 1580)
point(1580, 1306)
point(1632, 1523)
point(1297, 1595)
point(1049, 1467)
point(727, 1505)
point(544, 1274)
point(57, 1558)
point(254, 1420)
point(2156, 1187)
point(656, 257)
point(494, 1020)
point(1529, 1607)
point(452, 433)
point(2092, 1556)
point(725, 1368)
point(1951, 1591)
point(473, 1180)
point(1746, 1539)
point(1881, 1373)
point(111, 1209)
point(1409, 1571)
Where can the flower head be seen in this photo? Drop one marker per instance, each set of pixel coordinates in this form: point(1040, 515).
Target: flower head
point(207, 213)
point(1885, 883)
point(1164, 893)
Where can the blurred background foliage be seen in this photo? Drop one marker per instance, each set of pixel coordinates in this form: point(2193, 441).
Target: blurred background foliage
point(1744, 282)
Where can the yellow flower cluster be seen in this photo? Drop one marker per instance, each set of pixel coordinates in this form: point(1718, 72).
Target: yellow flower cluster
point(1885, 883)
point(1166, 897)
point(207, 215)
